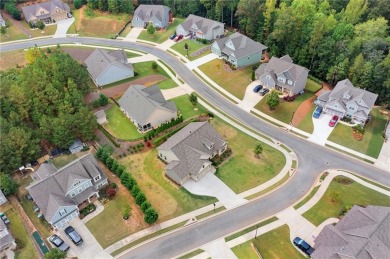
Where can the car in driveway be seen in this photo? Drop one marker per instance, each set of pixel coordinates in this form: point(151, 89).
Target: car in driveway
point(333, 121)
point(172, 36)
point(59, 243)
point(263, 91)
point(303, 245)
point(4, 218)
point(178, 37)
point(73, 235)
point(317, 112)
point(257, 88)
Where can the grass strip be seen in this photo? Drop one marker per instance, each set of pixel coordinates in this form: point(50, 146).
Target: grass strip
point(142, 239)
point(192, 254)
point(169, 68)
point(205, 215)
point(251, 228)
point(294, 164)
point(307, 198)
point(372, 182)
point(284, 179)
point(285, 148)
point(349, 154)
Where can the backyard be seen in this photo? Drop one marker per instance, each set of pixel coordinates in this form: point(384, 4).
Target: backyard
point(185, 107)
point(12, 34)
point(343, 195)
point(61, 160)
point(41, 225)
point(193, 46)
point(372, 142)
point(312, 86)
point(235, 81)
point(161, 35)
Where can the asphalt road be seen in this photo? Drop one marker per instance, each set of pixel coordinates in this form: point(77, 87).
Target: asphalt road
point(313, 159)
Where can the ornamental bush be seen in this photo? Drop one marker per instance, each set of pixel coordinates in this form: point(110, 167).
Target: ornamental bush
point(135, 190)
point(140, 198)
point(145, 205)
point(151, 216)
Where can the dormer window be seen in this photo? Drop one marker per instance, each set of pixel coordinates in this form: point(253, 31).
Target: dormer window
point(289, 82)
point(72, 194)
point(281, 79)
point(62, 212)
point(97, 178)
point(76, 183)
point(268, 76)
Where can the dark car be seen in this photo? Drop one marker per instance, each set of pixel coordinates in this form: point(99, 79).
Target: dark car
point(305, 247)
point(74, 236)
point(172, 36)
point(59, 243)
point(4, 218)
point(257, 88)
point(317, 112)
point(28, 196)
point(178, 37)
point(333, 121)
point(263, 91)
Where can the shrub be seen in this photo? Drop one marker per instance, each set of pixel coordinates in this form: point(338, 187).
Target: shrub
point(140, 198)
point(151, 216)
point(40, 25)
point(77, 4)
point(114, 166)
point(150, 29)
point(109, 161)
point(111, 192)
point(204, 41)
point(119, 170)
point(8, 185)
point(3, 29)
point(210, 114)
point(126, 212)
point(135, 73)
point(253, 76)
point(154, 65)
point(114, 185)
point(145, 205)
point(135, 190)
point(343, 180)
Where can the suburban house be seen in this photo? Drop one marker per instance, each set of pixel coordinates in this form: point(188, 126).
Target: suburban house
point(3, 199)
point(201, 27)
point(238, 49)
point(101, 117)
point(159, 15)
point(361, 233)
point(47, 12)
point(60, 193)
point(6, 239)
point(189, 151)
point(108, 66)
point(283, 75)
point(2, 21)
point(347, 100)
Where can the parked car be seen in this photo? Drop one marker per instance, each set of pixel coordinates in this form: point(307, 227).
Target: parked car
point(172, 36)
point(73, 235)
point(317, 112)
point(178, 37)
point(368, 119)
point(28, 196)
point(289, 98)
point(257, 88)
point(334, 120)
point(36, 208)
point(305, 247)
point(263, 91)
point(4, 218)
point(59, 243)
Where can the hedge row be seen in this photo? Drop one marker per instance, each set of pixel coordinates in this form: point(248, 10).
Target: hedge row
point(150, 214)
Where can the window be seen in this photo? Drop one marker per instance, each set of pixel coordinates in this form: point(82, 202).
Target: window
point(76, 183)
point(97, 178)
point(72, 194)
point(161, 155)
point(165, 158)
point(289, 82)
point(268, 76)
point(62, 212)
point(280, 79)
point(79, 190)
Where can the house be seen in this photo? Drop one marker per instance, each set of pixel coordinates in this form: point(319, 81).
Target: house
point(2, 21)
point(283, 75)
point(159, 15)
point(101, 117)
point(361, 233)
point(238, 49)
point(76, 146)
point(189, 151)
point(108, 66)
point(3, 199)
point(146, 107)
point(345, 100)
point(47, 12)
point(201, 27)
point(6, 239)
point(60, 193)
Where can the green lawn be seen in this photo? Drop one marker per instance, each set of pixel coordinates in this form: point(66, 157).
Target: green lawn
point(12, 33)
point(245, 251)
point(352, 194)
point(372, 142)
point(162, 35)
point(243, 171)
point(192, 47)
point(307, 123)
point(60, 161)
point(132, 54)
point(76, 15)
point(20, 234)
point(276, 244)
point(186, 108)
point(41, 224)
point(235, 82)
point(119, 125)
point(285, 110)
point(145, 69)
point(167, 84)
point(47, 31)
point(312, 86)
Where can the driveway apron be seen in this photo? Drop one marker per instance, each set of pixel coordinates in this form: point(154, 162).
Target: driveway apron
point(133, 34)
point(251, 98)
point(62, 27)
point(321, 129)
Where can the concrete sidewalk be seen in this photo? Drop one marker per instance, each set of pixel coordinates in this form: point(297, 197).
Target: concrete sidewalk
point(166, 44)
point(219, 249)
point(143, 58)
point(200, 61)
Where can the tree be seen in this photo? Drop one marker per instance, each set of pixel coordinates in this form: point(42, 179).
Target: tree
point(154, 65)
point(40, 25)
point(77, 4)
point(232, 5)
point(127, 212)
point(135, 190)
point(258, 150)
point(140, 198)
point(145, 205)
point(193, 99)
point(186, 48)
point(127, 6)
point(150, 29)
point(10, 7)
point(55, 253)
point(3, 29)
point(151, 216)
point(32, 54)
point(113, 6)
point(272, 100)
point(8, 185)
point(354, 11)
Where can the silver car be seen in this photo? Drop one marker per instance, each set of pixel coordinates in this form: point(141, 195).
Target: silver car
point(59, 243)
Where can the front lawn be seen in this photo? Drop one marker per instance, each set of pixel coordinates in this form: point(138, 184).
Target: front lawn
point(312, 86)
point(119, 125)
point(76, 15)
point(307, 123)
point(162, 35)
point(12, 34)
point(349, 195)
point(145, 69)
point(185, 107)
point(285, 110)
point(132, 54)
point(245, 251)
point(193, 46)
point(243, 171)
point(47, 31)
point(11, 59)
point(167, 84)
point(372, 142)
point(235, 82)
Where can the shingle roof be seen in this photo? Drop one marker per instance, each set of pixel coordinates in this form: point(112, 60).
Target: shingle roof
point(50, 193)
point(203, 24)
point(147, 12)
point(3, 199)
point(141, 102)
point(44, 171)
point(43, 10)
point(5, 237)
point(1, 19)
point(362, 233)
point(243, 46)
point(101, 59)
point(193, 146)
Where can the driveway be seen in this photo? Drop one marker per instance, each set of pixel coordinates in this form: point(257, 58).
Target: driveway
point(166, 44)
point(90, 248)
point(210, 185)
point(200, 61)
point(133, 34)
point(321, 129)
point(250, 98)
point(62, 27)
point(173, 92)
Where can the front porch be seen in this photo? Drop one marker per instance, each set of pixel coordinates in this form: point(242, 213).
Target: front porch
point(88, 201)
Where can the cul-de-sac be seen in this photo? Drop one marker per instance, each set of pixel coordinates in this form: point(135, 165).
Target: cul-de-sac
point(222, 129)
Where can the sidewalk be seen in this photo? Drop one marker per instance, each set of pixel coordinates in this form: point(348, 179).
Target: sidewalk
point(200, 61)
point(143, 58)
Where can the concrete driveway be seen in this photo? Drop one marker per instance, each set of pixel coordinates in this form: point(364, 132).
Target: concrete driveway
point(200, 61)
point(90, 248)
point(251, 98)
point(62, 27)
point(321, 129)
point(166, 44)
point(133, 34)
point(210, 185)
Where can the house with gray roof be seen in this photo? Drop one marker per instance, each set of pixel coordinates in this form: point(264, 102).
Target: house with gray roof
point(6, 239)
point(3, 199)
point(58, 193)
point(189, 151)
point(108, 66)
point(347, 100)
point(146, 107)
point(283, 75)
point(238, 49)
point(47, 12)
point(159, 15)
point(361, 233)
point(2, 21)
point(201, 27)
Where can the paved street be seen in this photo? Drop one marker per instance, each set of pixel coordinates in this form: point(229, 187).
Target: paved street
point(312, 158)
